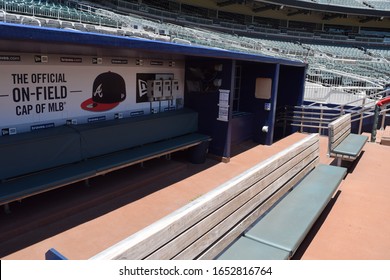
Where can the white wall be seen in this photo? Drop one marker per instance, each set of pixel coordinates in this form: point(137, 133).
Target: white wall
point(38, 91)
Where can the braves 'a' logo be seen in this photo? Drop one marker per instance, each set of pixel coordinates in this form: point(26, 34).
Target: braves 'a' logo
point(99, 91)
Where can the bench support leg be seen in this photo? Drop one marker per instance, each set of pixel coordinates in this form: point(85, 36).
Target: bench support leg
point(168, 156)
point(7, 209)
point(87, 183)
point(338, 161)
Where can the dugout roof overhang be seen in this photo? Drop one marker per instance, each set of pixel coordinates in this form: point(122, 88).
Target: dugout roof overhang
point(32, 39)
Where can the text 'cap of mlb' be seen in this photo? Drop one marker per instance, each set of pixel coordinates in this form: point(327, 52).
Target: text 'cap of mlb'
point(109, 89)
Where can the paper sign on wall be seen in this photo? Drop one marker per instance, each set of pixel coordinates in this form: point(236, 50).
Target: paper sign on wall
point(223, 104)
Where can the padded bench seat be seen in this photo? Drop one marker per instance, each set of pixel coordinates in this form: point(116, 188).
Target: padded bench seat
point(36, 183)
point(351, 145)
point(248, 249)
point(43, 160)
point(278, 234)
point(43, 181)
point(343, 144)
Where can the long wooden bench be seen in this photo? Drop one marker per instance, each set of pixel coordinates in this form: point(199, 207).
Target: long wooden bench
point(279, 233)
point(343, 144)
point(204, 228)
point(39, 161)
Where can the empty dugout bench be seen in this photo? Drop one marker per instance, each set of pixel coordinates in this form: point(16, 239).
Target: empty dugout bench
point(291, 183)
point(44, 160)
point(342, 144)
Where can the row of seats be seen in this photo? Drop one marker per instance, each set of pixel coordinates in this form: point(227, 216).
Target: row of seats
point(368, 64)
point(54, 10)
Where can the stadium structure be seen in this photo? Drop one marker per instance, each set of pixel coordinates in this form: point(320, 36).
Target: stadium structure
point(91, 88)
point(344, 43)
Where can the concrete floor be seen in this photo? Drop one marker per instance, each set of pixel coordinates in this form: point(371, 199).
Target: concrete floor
point(81, 221)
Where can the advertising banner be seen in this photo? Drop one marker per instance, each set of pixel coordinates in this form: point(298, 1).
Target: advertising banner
point(47, 93)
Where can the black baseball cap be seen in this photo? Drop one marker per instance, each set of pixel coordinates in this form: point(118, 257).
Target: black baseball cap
point(109, 89)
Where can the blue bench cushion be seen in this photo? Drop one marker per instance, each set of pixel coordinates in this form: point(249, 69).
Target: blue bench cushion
point(351, 145)
point(248, 249)
point(287, 224)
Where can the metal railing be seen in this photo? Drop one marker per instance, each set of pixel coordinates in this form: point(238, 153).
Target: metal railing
point(317, 116)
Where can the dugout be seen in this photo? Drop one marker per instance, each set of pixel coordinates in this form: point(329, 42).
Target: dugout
point(236, 95)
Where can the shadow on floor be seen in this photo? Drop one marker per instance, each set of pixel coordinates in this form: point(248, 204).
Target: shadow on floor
point(42, 216)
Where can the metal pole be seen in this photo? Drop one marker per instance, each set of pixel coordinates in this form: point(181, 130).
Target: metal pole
point(375, 125)
point(383, 119)
point(321, 118)
point(361, 116)
point(302, 114)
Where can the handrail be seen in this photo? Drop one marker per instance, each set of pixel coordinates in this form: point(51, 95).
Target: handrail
point(311, 116)
point(387, 91)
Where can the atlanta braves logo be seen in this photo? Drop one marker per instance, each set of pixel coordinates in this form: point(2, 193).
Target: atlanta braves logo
point(99, 91)
point(108, 90)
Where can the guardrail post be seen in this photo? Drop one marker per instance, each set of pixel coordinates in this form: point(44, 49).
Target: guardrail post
point(361, 115)
point(383, 120)
point(375, 125)
point(321, 118)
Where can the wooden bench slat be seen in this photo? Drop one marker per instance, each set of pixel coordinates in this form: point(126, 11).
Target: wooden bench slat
point(345, 125)
point(334, 142)
point(339, 129)
point(341, 120)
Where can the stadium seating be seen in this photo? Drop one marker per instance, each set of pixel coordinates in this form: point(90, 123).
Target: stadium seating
point(354, 65)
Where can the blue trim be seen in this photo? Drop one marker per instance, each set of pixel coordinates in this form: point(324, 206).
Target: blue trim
point(50, 35)
point(53, 254)
point(274, 99)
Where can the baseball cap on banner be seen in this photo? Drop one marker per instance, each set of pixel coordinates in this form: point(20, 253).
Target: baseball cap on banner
point(109, 89)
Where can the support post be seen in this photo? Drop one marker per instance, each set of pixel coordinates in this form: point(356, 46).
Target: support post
point(375, 125)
